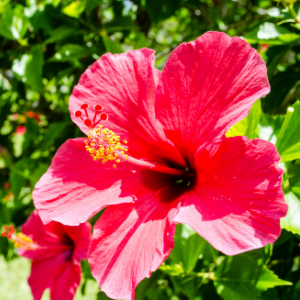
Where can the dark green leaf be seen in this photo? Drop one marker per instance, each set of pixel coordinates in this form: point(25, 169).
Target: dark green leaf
point(53, 132)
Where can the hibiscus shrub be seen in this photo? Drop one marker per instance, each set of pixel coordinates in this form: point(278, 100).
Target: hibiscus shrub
point(47, 45)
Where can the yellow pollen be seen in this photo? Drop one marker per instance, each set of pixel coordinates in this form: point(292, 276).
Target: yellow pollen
point(23, 241)
point(104, 145)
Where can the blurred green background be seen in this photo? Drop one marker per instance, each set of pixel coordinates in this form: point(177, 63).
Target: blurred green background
point(46, 45)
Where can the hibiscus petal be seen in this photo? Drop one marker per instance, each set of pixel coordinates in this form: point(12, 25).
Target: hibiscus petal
point(81, 235)
point(65, 284)
point(43, 273)
point(237, 201)
point(129, 242)
point(207, 86)
point(124, 85)
point(76, 187)
point(48, 238)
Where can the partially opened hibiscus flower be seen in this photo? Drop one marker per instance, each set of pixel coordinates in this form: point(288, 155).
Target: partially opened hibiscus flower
point(157, 155)
point(56, 251)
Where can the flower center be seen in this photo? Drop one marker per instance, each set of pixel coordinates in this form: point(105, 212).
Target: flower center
point(19, 239)
point(103, 144)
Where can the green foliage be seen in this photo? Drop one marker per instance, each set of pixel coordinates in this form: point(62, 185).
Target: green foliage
point(288, 143)
point(46, 45)
point(249, 125)
point(291, 221)
point(242, 277)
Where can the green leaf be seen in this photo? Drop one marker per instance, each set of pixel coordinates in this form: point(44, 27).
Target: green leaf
point(187, 251)
point(296, 189)
point(288, 143)
point(269, 127)
point(70, 52)
point(32, 133)
point(29, 68)
point(60, 33)
point(17, 181)
point(273, 57)
point(52, 133)
point(281, 84)
point(74, 9)
point(271, 34)
point(90, 5)
point(291, 221)
point(172, 270)
point(13, 22)
point(112, 46)
point(241, 277)
point(37, 173)
point(247, 126)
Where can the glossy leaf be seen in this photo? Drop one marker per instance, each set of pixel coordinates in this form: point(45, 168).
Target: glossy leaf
point(288, 143)
point(291, 221)
point(247, 126)
point(241, 277)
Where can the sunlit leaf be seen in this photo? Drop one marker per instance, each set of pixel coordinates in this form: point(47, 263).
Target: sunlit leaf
point(288, 143)
point(247, 126)
point(74, 9)
point(291, 221)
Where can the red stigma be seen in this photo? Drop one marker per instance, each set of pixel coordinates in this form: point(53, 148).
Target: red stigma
point(89, 122)
point(104, 116)
point(78, 113)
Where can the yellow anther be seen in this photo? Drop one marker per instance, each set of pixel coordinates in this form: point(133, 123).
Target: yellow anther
point(114, 165)
point(125, 142)
point(105, 145)
point(126, 156)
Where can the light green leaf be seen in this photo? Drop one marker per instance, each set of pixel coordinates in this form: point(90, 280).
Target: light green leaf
point(172, 270)
point(288, 143)
point(291, 221)
point(74, 9)
point(271, 34)
point(247, 126)
point(241, 277)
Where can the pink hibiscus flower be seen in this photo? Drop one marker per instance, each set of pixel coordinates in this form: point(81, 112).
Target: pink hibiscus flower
point(162, 158)
point(56, 251)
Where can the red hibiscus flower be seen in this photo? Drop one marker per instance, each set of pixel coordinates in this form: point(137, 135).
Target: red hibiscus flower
point(56, 251)
point(162, 158)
